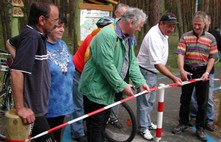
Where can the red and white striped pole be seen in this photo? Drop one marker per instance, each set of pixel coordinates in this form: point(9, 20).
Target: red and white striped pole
point(160, 112)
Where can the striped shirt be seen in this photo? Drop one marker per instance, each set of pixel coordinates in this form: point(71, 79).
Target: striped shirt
point(197, 50)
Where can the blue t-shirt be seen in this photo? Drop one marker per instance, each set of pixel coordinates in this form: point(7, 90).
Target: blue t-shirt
point(62, 72)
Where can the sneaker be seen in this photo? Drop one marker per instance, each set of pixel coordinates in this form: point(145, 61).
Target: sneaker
point(147, 135)
point(210, 127)
point(201, 134)
point(153, 126)
point(179, 128)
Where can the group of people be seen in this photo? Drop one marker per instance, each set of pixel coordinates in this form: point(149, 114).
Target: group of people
point(49, 83)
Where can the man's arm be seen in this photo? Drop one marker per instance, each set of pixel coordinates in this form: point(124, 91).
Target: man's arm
point(10, 49)
point(26, 114)
point(208, 68)
point(165, 71)
point(183, 73)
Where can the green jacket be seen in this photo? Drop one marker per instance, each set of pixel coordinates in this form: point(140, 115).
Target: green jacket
point(101, 79)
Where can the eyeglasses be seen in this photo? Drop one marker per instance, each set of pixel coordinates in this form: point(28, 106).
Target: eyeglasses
point(53, 20)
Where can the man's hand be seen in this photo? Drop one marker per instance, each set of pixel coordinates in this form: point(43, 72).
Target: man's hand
point(26, 114)
point(128, 90)
point(204, 77)
point(177, 80)
point(184, 75)
point(144, 87)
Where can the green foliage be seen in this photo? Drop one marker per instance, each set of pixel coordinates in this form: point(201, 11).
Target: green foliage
point(172, 60)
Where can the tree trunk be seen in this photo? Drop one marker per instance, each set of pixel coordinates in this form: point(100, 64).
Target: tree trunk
point(76, 17)
point(180, 19)
point(5, 20)
point(154, 10)
point(207, 6)
point(71, 18)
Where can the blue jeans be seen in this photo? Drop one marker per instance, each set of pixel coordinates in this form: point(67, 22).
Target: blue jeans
point(210, 108)
point(77, 127)
point(145, 102)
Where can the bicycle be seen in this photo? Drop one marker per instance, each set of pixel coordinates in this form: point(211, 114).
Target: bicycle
point(123, 128)
point(6, 101)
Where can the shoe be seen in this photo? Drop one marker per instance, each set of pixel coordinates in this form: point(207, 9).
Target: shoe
point(201, 134)
point(153, 126)
point(192, 122)
point(210, 127)
point(147, 135)
point(81, 139)
point(179, 128)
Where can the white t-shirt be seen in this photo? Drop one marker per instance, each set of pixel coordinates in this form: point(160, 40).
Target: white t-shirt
point(153, 50)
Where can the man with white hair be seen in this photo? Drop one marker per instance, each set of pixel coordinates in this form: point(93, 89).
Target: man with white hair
point(107, 72)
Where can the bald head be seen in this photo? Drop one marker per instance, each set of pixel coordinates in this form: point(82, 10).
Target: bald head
point(120, 10)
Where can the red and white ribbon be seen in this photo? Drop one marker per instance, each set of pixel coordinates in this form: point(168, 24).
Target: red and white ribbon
point(114, 104)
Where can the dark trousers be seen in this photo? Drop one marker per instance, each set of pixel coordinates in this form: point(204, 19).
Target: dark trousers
point(55, 121)
point(41, 125)
point(202, 90)
point(97, 122)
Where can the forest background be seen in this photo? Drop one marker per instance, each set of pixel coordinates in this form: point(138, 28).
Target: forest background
point(184, 10)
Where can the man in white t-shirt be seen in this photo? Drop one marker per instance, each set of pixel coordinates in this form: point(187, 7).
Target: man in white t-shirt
point(152, 59)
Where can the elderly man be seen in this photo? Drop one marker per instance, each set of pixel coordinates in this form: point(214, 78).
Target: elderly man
point(152, 59)
point(106, 73)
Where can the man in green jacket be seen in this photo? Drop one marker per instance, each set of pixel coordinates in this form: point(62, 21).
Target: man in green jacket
point(107, 73)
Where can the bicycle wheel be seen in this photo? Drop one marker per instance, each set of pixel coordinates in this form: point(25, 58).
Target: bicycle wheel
point(2, 114)
point(6, 103)
point(127, 131)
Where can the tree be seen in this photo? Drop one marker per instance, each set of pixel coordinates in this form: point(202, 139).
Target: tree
point(184, 9)
point(5, 5)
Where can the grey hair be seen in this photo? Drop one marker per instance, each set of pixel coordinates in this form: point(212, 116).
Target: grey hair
point(200, 15)
point(120, 5)
point(134, 14)
point(208, 17)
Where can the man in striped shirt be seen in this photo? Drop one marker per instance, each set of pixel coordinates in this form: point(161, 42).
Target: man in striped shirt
point(196, 51)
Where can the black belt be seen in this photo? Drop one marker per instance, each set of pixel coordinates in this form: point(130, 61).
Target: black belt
point(196, 68)
point(148, 70)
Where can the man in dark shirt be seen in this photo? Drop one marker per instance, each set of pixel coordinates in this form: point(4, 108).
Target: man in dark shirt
point(29, 72)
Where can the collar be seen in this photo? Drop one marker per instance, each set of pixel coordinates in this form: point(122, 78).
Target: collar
point(123, 36)
point(197, 35)
point(160, 33)
point(35, 28)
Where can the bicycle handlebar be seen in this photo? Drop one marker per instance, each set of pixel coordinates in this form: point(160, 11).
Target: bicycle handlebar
point(4, 52)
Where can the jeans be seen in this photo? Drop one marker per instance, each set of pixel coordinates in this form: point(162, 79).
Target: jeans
point(145, 102)
point(97, 122)
point(210, 107)
point(202, 91)
point(77, 127)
